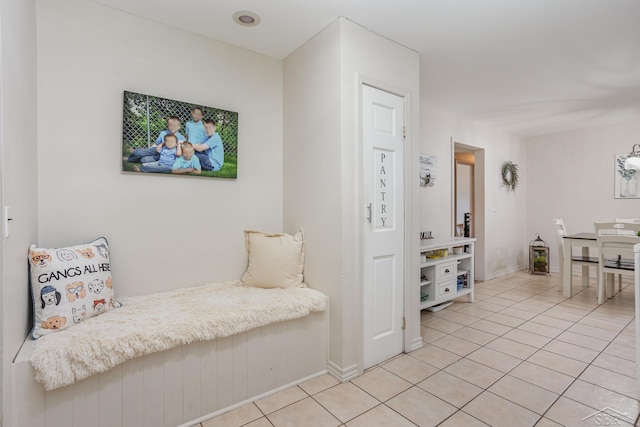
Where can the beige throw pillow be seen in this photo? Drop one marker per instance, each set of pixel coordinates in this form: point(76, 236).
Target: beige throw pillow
point(275, 260)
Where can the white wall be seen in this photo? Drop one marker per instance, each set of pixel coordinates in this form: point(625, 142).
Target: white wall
point(322, 165)
point(503, 239)
point(18, 172)
point(399, 72)
point(311, 157)
point(572, 177)
point(165, 231)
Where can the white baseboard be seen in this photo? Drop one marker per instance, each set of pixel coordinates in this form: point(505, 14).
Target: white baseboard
point(252, 399)
point(343, 374)
point(416, 343)
point(505, 271)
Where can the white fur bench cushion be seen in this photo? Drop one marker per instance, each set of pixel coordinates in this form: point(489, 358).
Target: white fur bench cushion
point(150, 323)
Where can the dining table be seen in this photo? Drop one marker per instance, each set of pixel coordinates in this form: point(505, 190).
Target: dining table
point(585, 241)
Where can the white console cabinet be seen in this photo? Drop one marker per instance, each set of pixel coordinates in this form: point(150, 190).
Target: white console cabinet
point(443, 278)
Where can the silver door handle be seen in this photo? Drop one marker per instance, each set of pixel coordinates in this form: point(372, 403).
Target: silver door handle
point(369, 217)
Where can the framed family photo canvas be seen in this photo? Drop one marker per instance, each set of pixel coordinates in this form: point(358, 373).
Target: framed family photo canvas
point(625, 180)
point(165, 136)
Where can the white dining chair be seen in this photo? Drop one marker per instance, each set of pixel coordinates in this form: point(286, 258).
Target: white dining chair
point(561, 231)
point(615, 247)
point(632, 221)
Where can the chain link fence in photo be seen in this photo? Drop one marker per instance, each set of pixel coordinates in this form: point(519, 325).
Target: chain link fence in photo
point(144, 117)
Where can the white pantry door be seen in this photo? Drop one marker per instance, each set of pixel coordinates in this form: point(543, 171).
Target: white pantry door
point(383, 234)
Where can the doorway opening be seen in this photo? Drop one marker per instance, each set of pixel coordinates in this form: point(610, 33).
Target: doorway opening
point(468, 199)
point(463, 197)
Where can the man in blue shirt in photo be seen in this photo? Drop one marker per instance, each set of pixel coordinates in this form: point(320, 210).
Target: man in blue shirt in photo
point(211, 152)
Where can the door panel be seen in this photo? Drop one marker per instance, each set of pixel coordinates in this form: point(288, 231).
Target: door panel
point(383, 233)
point(383, 275)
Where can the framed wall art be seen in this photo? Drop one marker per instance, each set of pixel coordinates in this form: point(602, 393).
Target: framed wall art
point(164, 136)
point(625, 180)
point(428, 169)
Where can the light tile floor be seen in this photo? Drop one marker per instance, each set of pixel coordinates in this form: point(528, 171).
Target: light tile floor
point(521, 355)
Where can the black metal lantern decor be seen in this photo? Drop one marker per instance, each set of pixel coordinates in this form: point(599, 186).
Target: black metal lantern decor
point(538, 256)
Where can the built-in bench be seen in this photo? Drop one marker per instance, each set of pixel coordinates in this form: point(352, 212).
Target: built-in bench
point(171, 359)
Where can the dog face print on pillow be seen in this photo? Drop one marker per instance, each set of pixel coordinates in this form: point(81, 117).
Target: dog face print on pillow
point(86, 253)
point(66, 255)
point(79, 313)
point(40, 258)
point(96, 286)
point(49, 296)
point(54, 322)
point(75, 291)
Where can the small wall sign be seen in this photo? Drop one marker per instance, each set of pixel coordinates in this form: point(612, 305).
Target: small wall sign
point(428, 170)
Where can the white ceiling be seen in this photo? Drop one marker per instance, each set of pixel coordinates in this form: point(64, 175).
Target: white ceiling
point(526, 66)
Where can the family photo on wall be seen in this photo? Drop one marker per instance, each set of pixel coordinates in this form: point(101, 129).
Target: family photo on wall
point(164, 136)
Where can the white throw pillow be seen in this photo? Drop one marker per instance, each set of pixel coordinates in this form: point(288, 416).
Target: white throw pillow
point(275, 260)
point(69, 285)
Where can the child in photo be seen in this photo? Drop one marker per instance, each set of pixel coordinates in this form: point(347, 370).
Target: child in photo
point(187, 163)
point(151, 154)
point(195, 127)
point(168, 151)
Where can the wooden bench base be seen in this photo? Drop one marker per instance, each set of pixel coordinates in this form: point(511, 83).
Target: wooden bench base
point(181, 386)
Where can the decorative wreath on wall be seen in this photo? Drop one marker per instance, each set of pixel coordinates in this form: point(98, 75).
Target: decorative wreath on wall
point(510, 175)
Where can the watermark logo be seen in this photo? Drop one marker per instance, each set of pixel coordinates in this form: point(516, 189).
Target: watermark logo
point(609, 417)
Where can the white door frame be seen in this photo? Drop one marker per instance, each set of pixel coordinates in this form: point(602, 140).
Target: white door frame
point(457, 165)
point(412, 339)
point(478, 202)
